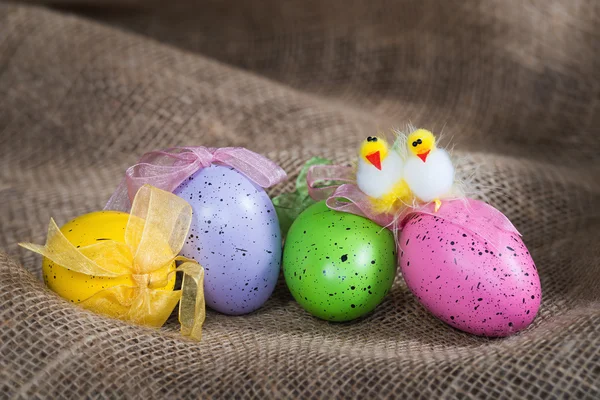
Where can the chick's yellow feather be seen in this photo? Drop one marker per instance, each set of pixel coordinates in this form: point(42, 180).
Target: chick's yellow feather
point(393, 200)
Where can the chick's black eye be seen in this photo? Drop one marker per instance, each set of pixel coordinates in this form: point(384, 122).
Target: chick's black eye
point(419, 141)
point(414, 144)
point(374, 139)
point(369, 139)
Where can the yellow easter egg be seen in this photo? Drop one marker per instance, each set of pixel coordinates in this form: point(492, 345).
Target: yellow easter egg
point(85, 230)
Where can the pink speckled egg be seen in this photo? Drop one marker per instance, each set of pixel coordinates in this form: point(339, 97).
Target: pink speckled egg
point(469, 267)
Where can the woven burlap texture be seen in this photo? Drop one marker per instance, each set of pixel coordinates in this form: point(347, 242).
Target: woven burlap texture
point(88, 86)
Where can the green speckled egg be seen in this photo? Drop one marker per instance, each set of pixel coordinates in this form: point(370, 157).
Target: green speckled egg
point(338, 266)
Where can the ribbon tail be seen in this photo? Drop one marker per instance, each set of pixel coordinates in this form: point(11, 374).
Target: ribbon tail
point(192, 307)
point(36, 248)
point(62, 252)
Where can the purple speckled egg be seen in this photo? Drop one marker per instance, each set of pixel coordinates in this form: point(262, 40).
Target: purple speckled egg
point(235, 236)
point(469, 267)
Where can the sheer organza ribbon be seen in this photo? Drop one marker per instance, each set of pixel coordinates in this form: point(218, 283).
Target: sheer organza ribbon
point(167, 169)
point(324, 184)
point(155, 233)
point(476, 216)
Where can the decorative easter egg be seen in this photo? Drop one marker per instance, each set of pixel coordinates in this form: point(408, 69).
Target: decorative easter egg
point(235, 236)
point(82, 231)
point(469, 267)
point(338, 266)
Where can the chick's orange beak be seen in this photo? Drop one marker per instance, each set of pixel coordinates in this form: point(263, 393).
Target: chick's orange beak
point(423, 156)
point(375, 159)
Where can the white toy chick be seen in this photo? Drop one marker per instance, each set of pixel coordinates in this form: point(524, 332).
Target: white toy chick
point(428, 171)
point(380, 175)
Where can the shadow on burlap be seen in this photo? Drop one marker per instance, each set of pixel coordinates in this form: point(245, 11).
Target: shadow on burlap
point(87, 87)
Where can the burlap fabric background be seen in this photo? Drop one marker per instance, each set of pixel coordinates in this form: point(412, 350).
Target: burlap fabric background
point(88, 86)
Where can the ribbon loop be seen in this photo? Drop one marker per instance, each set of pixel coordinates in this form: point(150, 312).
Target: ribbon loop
point(158, 225)
point(260, 170)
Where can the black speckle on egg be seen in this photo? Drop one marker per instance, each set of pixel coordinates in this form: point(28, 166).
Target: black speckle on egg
point(222, 210)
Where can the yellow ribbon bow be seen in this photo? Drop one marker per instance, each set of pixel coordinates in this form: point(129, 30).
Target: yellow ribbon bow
point(156, 231)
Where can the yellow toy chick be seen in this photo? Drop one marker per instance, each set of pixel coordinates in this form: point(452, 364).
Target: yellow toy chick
point(428, 170)
point(380, 175)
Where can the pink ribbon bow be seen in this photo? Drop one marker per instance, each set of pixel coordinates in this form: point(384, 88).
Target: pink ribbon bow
point(478, 217)
point(324, 184)
point(167, 169)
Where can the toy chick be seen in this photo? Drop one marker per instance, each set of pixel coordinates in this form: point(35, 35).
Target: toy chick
point(380, 175)
point(428, 170)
